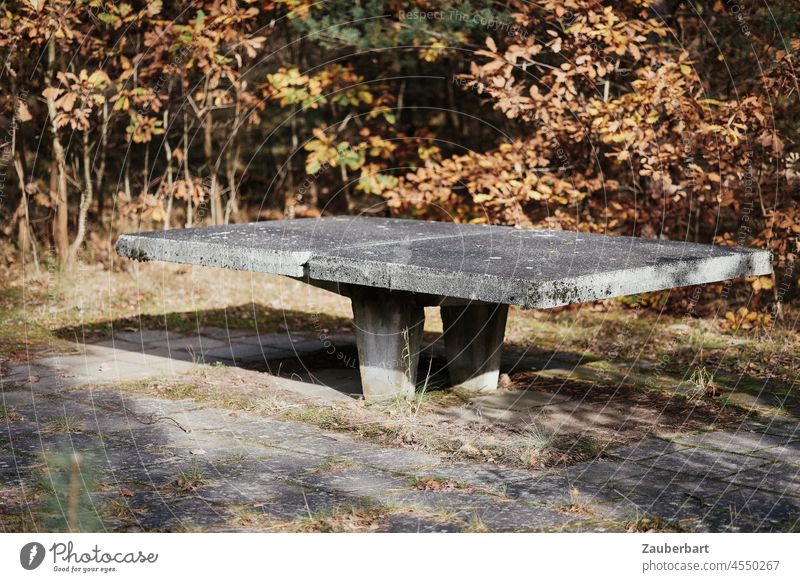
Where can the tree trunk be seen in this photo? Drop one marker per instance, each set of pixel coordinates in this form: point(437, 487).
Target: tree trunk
point(86, 200)
point(288, 197)
point(187, 175)
point(61, 223)
point(146, 171)
point(232, 160)
point(213, 168)
point(126, 178)
point(170, 179)
point(24, 233)
point(101, 169)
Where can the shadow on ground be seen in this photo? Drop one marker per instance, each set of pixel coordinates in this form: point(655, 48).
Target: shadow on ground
point(281, 342)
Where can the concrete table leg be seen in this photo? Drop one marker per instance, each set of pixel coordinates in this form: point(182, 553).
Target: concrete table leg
point(389, 336)
point(473, 337)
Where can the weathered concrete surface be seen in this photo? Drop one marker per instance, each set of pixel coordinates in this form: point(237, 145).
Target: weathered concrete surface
point(388, 332)
point(473, 336)
point(528, 267)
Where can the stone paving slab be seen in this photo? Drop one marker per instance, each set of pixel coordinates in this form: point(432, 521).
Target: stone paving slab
point(17, 470)
point(292, 340)
point(287, 465)
point(460, 504)
point(781, 478)
point(745, 442)
point(19, 373)
point(135, 404)
point(255, 489)
point(789, 453)
point(266, 431)
point(525, 517)
point(46, 443)
point(306, 504)
point(120, 344)
point(222, 333)
point(249, 353)
point(393, 459)
point(327, 445)
point(542, 489)
point(601, 471)
point(143, 337)
point(788, 429)
point(357, 482)
point(410, 523)
point(647, 448)
point(760, 507)
point(58, 373)
point(189, 514)
point(703, 463)
point(485, 477)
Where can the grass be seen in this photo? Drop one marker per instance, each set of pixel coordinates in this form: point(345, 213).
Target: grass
point(63, 425)
point(42, 486)
point(187, 482)
point(340, 520)
point(476, 525)
point(9, 413)
point(535, 441)
point(538, 438)
point(588, 445)
point(346, 519)
point(18, 523)
point(702, 383)
point(578, 504)
point(269, 405)
point(440, 484)
point(119, 509)
point(654, 524)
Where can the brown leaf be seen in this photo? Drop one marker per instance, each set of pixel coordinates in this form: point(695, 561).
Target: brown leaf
point(492, 66)
point(51, 93)
point(67, 102)
point(23, 113)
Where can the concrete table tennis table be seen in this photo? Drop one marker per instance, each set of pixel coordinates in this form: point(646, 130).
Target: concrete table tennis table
point(392, 268)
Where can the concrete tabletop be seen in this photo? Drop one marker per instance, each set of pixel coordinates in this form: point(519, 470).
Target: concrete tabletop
point(498, 264)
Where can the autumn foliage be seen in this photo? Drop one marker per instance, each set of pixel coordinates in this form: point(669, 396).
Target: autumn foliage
point(646, 118)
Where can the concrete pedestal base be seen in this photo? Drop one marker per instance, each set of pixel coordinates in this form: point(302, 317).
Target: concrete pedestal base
point(389, 335)
point(473, 336)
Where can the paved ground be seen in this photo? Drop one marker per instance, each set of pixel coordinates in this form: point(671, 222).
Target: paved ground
point(177, 464)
